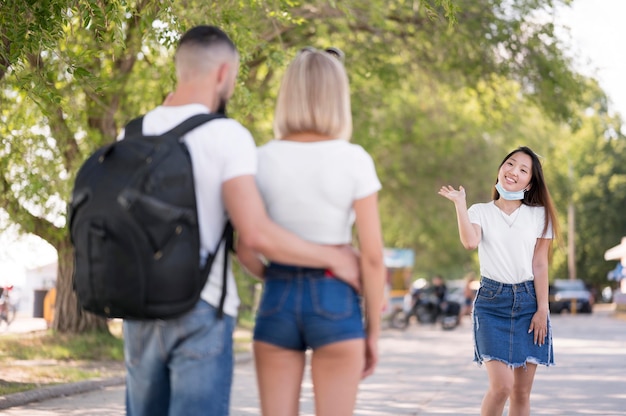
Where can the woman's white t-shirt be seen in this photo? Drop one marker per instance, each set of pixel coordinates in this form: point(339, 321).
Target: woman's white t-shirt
point(507, 244)
point(309, 188)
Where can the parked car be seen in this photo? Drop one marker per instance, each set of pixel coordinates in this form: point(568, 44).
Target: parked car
point(566, 293)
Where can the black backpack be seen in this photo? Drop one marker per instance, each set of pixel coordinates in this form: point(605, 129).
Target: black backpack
point(134, 226)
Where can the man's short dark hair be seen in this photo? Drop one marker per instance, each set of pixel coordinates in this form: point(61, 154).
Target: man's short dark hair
point(205, 35)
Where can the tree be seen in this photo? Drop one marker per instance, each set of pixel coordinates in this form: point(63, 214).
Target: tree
point(73, 71)
point(592, 177)
point(65, 69)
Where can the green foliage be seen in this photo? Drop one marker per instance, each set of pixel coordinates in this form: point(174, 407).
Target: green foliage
point(592, 177)
point(441, 90)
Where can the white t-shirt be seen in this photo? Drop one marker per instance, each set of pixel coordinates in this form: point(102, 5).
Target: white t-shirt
point(507, 245)
point(309, 188)
point(220, 150)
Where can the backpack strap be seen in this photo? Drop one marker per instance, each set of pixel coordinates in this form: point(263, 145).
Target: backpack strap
point(227, 236)
point(228, 240)
point(134, 127)
point(193, 122)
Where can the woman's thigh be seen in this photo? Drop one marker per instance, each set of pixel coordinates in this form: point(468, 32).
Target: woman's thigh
point(336, 369)
point(279, 377)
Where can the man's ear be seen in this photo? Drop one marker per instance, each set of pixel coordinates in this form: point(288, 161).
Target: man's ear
point(222, 73)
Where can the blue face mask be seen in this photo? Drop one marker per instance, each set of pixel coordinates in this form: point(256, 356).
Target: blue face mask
point(509, 196)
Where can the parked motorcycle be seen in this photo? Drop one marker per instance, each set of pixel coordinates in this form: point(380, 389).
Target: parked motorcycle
point(423, 303)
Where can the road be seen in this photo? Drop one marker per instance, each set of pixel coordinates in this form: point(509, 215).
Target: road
point(427, 371)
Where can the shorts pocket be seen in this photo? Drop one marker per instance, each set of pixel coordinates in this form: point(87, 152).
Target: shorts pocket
point(332, 298)
point(275, 293)
point(487, 293)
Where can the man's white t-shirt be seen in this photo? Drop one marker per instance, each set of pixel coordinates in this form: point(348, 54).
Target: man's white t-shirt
point(309, 188)
point(507, 245)
point(220, 150)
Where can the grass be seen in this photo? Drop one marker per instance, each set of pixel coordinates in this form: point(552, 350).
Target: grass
point(55, 346)
point(45, 358)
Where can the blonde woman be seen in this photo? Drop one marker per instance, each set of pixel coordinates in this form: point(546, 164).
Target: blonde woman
point(317, 185)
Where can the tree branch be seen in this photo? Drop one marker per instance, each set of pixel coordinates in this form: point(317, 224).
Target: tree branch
point(28, 222)
point(57, 123)
point(104, 121)
point(5, 47)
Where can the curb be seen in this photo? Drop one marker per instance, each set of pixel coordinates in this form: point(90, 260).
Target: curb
point(69, 389)
point(51, 392)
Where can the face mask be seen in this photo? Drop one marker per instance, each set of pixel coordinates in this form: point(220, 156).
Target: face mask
point(509, 196)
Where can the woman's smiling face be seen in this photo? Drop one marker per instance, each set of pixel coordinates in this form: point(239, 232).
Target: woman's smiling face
point(516, 172)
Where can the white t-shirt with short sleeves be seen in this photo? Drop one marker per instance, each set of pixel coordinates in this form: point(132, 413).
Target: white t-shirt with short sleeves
point(309, 188)
point(220, 150)
point(507, 245)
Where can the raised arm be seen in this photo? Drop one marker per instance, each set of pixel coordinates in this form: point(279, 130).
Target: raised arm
point(372, 273)
point(256, 231)
point(469, 233)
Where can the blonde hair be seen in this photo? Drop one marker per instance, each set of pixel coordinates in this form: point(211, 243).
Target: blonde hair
point(314, 97)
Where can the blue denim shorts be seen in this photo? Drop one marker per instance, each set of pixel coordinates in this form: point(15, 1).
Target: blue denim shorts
point(501, 317)
point(306, 308)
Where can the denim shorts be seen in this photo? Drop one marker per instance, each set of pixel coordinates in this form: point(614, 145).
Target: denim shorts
point(306, 308)
point(501, 318)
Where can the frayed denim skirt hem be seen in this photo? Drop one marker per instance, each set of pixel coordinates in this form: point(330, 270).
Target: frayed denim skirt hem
point(501, 317)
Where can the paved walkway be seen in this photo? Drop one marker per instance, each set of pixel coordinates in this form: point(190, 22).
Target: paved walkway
point(426, 371)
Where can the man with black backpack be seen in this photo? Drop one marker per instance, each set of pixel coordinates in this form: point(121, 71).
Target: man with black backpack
point(184, 365)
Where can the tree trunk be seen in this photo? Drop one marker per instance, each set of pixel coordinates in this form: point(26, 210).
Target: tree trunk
point(68, 315)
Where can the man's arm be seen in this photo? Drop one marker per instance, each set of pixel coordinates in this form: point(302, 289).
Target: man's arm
point(247, 213)
point(250, 260)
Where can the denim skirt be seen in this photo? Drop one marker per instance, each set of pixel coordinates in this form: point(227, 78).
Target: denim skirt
point(501, 318)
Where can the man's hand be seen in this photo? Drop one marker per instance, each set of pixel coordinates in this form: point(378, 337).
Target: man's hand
point(347, 266)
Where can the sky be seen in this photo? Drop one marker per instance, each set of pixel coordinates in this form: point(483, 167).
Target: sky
point(598, 38)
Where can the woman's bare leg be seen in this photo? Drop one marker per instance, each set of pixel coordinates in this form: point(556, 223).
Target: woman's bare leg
point(519, 404)
point(501, 380)
point(279, 374)
point(336, 369)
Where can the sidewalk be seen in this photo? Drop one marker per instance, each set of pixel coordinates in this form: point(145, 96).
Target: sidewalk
point(26, 324)
point(428, 372)
point(23, 324)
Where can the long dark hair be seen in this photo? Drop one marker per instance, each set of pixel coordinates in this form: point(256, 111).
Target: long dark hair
point(538, 194)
